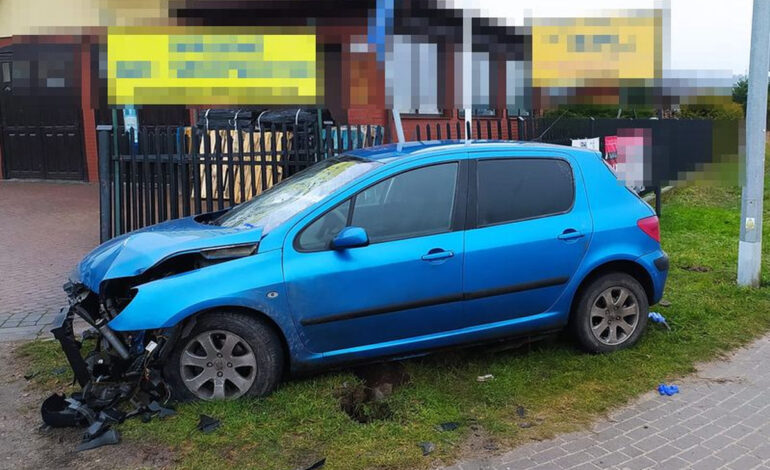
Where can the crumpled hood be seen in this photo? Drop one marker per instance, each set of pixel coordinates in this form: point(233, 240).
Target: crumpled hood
point(133, 253)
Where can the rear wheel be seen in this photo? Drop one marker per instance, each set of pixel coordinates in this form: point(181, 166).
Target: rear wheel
point(227, 355)
point(611, 313)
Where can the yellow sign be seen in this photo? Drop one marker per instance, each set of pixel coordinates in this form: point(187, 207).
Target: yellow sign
point(597, 51)
point(211, 66)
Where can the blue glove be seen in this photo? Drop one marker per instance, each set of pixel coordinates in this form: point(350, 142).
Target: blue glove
point(668, 390)
point(658, 318)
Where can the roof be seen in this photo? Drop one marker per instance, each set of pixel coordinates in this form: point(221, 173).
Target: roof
point(407, 149)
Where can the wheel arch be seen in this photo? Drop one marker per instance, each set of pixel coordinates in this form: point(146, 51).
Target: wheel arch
point(632, 268)
point(188, 324)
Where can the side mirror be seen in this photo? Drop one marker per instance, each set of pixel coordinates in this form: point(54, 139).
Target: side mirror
point(350, 237)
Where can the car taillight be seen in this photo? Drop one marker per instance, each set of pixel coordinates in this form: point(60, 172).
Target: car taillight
point(650, 226)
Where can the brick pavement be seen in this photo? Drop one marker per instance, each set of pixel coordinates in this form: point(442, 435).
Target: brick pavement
point(45, 228)
point(719, 419)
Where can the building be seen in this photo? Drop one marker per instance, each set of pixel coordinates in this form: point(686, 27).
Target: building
point(63, 72)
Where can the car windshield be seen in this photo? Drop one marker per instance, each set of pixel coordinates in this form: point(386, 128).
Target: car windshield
point(293, 195)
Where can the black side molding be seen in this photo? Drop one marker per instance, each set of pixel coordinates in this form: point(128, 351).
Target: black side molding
point(435, 301)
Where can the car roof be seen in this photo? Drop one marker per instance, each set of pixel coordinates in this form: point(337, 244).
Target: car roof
point(391, 152)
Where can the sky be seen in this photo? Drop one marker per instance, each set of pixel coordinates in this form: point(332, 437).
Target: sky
point(711, 35)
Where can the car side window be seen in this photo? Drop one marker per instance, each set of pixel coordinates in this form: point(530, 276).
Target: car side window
point(411, 204)
point(319, 234)
point(522, 188)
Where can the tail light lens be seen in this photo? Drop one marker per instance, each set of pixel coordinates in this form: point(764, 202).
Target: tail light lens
point(650, 226)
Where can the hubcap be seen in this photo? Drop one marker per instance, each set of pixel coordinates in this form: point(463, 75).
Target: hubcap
point(614, 315)
point(218, 364)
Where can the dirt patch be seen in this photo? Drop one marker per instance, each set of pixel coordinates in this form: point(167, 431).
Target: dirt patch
point(696, 268)
point(366, 400)
point(24, 444)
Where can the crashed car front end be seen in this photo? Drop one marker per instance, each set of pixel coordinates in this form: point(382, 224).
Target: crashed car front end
point(122, 374)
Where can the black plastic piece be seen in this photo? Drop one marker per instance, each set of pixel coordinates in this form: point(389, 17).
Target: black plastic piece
point(207, 424)
point(108, 437)
point(71, 348)
point(57, 413)
point(662, 263)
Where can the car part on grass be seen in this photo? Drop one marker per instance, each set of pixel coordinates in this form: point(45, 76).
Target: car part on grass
point(668, 390)
point(317, 465)
point(485, 378)
point(427, 447)
point(449, 426)
point(121, 368)
point(207, 424)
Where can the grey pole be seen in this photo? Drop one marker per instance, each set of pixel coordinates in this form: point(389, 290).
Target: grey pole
point(468, 72)
point(750, 245)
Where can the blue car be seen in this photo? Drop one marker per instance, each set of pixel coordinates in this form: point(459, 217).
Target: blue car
point(382, 253)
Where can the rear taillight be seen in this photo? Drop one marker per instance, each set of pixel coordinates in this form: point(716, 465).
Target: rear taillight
point(650, 226)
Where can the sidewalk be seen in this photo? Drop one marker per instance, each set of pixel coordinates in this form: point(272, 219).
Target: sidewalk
point(719, 419)
point(45, 229)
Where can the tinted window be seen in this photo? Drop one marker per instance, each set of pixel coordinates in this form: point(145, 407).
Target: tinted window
point(411, 204)
point(319, 234)
point(517, 189)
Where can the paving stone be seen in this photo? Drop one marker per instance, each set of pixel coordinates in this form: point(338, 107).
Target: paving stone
point(701, 428)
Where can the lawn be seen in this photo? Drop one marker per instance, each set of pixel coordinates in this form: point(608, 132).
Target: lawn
point(537, 391)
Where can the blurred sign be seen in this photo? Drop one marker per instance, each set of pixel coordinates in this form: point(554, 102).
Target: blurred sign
point(580, 52)
point(209, 66)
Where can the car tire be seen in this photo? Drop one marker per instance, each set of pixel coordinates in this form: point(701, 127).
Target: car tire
point(226, 355)
point(610, 313)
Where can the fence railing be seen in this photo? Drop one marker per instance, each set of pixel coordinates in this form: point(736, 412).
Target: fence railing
point(164, 172)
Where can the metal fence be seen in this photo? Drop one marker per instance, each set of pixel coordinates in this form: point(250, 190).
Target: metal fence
point(164, 172)
point(168, 172)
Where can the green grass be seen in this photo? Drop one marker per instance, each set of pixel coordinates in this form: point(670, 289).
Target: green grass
point(560, 387)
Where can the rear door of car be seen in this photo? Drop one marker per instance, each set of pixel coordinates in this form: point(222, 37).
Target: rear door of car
point(529, 226)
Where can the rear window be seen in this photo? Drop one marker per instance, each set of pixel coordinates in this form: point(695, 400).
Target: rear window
point(522, 188)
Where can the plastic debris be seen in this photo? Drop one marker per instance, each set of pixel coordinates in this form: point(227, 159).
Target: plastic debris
point(108, 437)
point(485, 378)
point(450, 426)
point(668, 390)
point(658, 318)
point(30, 375)
point(317, 465)
point(664, 303)
point(207, 424)
point(427, 447)
point(521, 411)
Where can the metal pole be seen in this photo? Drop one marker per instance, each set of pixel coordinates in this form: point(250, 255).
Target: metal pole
point(468, 72)
point(750, 245)
point(104, 182)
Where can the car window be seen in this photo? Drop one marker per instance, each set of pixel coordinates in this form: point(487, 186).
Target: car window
point(411, 204)
point(522, 188)
point(319, 234)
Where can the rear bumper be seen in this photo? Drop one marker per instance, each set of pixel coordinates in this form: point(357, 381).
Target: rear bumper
point(657, 265)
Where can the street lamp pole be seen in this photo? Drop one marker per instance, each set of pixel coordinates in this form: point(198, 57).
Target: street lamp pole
point(750, 245)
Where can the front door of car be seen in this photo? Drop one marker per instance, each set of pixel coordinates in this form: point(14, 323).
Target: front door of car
point(407, 282)
point(529, 229)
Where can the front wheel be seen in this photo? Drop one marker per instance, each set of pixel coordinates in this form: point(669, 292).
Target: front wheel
point(227, 355)
point(611, 313)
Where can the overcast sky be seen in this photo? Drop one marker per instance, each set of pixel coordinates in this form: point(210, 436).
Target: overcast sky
point(705, 34)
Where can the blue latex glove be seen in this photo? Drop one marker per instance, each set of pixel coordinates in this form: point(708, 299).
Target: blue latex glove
point(668, 390)
point(658, 318)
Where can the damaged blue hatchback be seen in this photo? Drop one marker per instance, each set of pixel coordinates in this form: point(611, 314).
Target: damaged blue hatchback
point(386, 252)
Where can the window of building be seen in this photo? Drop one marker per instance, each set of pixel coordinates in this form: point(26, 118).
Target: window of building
point(411, 76)
point(520, 188)
point(516, 86)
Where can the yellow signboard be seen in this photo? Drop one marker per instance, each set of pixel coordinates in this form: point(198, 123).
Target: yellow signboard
point(579, 52)
point(211, 66)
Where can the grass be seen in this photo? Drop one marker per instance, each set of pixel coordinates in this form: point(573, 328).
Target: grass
point(559, 387)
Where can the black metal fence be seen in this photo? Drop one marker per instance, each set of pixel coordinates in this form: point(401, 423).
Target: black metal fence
point(164, 172)
point(169, 172)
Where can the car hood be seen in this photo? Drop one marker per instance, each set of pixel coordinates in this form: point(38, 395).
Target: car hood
point(133, 253)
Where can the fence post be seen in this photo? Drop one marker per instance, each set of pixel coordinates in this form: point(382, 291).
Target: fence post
point(105, 232)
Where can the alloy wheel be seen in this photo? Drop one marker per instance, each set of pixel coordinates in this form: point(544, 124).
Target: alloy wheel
point(218, 364)
point(614, 315)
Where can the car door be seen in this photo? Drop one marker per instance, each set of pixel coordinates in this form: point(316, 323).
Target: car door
point(529, 229)
point(406, 283)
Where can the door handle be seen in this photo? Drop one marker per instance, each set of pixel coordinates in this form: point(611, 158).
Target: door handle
point(437, 254)
point(570, 234)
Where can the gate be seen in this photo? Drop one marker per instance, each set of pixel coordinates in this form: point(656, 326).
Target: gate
point(41, 130)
